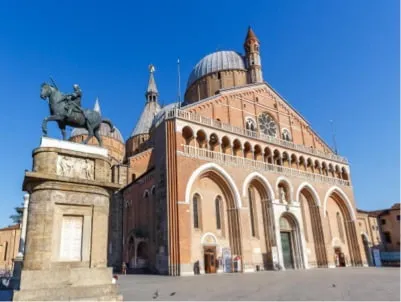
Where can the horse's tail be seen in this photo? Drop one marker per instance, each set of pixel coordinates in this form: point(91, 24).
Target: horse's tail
point(108, 122)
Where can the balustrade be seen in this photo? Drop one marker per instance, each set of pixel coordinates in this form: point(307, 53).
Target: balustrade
point(241, 162)
point(194, 117)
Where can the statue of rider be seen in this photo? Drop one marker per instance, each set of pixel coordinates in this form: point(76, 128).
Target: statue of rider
point(74, 100)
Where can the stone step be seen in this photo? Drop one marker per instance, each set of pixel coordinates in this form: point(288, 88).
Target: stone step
point(106, 292)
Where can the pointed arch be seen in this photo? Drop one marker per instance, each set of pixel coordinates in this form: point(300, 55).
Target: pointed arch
point(310, 207)
point(224, 174)
point(344, 197)
point(288, 182)
point(313, 191)
point(257, 182)
point(263, 180)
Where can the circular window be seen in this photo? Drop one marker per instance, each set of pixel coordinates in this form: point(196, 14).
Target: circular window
point(267, 124)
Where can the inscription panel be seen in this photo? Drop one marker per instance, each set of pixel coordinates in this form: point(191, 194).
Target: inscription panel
point(71, 238)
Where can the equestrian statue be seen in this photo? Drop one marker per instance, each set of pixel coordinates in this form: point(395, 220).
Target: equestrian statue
point(66, 110)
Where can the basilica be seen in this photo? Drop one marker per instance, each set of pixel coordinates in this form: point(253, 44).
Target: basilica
point(232, 179)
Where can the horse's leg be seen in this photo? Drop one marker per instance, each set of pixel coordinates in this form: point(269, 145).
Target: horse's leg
point(98, 137)
point(90, 135)
point(62, 128)
point(47, 119)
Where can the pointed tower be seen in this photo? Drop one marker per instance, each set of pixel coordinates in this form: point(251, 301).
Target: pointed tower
point(252, 57)
point(151, 93)
point(140, 135)
point(97, 106)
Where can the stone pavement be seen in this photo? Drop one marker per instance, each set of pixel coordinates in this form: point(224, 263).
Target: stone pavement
point(315, 284)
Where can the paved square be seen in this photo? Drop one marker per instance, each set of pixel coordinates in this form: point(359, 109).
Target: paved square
point(316, 284)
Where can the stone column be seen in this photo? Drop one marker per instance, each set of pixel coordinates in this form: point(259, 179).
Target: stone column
point(23, 230)
point(18, 261)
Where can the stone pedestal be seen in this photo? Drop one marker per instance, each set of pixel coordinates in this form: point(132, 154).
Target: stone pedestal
point(67, 227)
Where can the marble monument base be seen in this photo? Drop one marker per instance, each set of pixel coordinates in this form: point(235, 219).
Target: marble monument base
point(67, 227)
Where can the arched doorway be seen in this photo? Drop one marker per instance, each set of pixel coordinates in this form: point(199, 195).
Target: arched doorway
point(342, 221)
point(313, 230)
point(291, 247)
point(209, 243)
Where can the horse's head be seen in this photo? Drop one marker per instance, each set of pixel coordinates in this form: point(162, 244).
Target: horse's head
point(45, 91)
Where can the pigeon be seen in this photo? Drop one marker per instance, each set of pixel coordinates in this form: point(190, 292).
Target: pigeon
point(156, 294)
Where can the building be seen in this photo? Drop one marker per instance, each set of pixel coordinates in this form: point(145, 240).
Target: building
point(380, 229)
point(233, 178)
point(369, 230)
point(389, 222)
point(9, 244)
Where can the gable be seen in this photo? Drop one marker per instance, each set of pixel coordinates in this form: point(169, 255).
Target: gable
point(237, 105)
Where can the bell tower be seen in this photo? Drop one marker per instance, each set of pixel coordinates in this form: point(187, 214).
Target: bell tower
point(151, 93)
point(252, 57)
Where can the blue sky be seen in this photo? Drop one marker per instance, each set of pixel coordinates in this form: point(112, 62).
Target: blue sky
point(330, 59)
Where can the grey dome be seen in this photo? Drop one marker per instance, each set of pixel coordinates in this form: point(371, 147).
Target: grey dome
point(220, 60)
point(103, 131)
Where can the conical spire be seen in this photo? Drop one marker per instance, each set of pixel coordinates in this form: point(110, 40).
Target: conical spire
point(97, 106)
point(250, 34)
point(152, 89)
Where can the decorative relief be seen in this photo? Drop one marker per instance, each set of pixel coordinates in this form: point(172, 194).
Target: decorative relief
point(209, 239)
point(75, 167)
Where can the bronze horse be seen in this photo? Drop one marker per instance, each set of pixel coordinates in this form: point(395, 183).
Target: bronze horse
point(91, 120)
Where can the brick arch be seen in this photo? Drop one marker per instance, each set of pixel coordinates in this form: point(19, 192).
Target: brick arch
point(258, 182)
point(348, 222)
point(343, 197)
point(231, 196)
point(262, 179)
point(311, 189)
point(224, 175)
point(312, 205)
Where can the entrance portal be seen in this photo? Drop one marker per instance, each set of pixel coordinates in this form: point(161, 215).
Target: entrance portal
point(291, 247)
point(210, 260)
point(287, 249)
point(340, 257)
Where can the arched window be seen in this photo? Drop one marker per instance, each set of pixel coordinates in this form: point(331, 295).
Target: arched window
point(196, 208)
point(252, 212)
point(340, 227)
point(218, 212)
point(286, 135)
point(250, 124)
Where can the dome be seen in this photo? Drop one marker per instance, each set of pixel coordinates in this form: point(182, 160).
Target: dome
point(220, 60)
point(103, 131)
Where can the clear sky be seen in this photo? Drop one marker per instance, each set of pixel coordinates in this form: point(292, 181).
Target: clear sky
point(334, 59)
